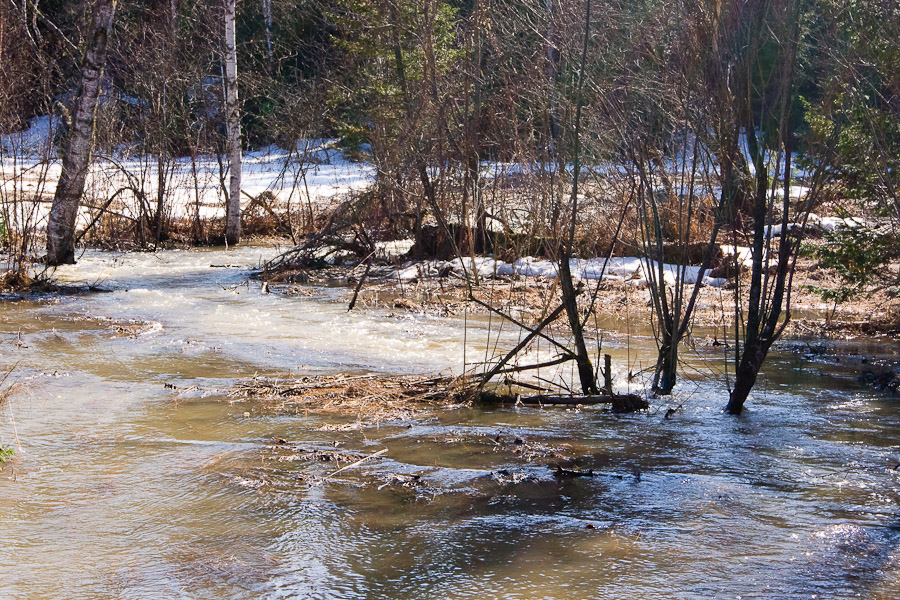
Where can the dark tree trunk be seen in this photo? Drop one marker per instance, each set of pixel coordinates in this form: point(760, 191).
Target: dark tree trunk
point(586, 375)
point(159, 217)
point(745, 377)
point(77, 157)
point(768, 310)
point(666, 369)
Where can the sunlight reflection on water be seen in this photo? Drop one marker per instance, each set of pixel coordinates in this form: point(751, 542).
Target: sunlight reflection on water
point(123, 487)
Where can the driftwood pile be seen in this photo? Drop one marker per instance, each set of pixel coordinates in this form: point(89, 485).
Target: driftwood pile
point(380, 397)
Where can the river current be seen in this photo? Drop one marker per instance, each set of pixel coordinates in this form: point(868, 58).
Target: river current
point(137, 475)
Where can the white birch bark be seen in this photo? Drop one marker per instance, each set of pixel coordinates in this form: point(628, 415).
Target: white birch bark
point(233, 116)
point(77, 157)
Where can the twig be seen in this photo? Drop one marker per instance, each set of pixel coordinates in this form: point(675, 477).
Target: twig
point(360, 461)
point(525, 341)
point(361, 281)
point(536, 330)
point(549, 363)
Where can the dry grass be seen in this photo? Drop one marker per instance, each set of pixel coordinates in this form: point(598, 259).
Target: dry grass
point(15, 280)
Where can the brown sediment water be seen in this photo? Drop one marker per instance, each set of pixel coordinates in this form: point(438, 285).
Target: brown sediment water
point(137, 475)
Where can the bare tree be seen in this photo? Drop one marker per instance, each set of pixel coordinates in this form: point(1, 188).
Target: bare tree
point(672, 172)
point(586, 374)
point(77, 157)
point(762, 96)
point(26, 75)
point(233, 121)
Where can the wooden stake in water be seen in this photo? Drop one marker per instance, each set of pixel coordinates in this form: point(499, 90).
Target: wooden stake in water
point(607, 374)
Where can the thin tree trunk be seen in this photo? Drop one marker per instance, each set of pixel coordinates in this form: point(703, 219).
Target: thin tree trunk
point(162, 157)
point(552, 145)
point(767, 315)
point(471, 182)
point(233, 115)
point(159, 217)
point(267, 16)
point(745, 377)
point(586, 373)
point(757, 346)
point(553, 59)
point(77, 157)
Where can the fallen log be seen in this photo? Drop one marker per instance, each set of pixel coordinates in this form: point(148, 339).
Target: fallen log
point(620, 402)
point(562, 472)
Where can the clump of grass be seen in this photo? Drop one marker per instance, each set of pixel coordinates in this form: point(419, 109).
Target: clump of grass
point(6, 452)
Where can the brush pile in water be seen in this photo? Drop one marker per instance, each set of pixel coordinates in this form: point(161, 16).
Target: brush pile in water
point(377, 396)
point(380, 397)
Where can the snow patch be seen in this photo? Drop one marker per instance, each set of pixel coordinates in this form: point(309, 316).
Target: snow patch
point(631, 270)
point(35, 141)
point(824, 223)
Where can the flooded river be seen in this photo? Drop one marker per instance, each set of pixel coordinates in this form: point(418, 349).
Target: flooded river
point(137, 476)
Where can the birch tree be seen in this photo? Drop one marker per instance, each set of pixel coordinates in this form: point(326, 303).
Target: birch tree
point(233, 121)
point(77, 157)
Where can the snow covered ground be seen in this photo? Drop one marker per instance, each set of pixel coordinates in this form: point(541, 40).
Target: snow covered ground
point(823, 223)
point(631, 270)
point(313, 174)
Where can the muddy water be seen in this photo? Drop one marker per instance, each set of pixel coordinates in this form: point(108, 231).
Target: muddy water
point(136, 476)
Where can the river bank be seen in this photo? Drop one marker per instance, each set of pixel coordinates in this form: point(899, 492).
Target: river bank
point(446, 287)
